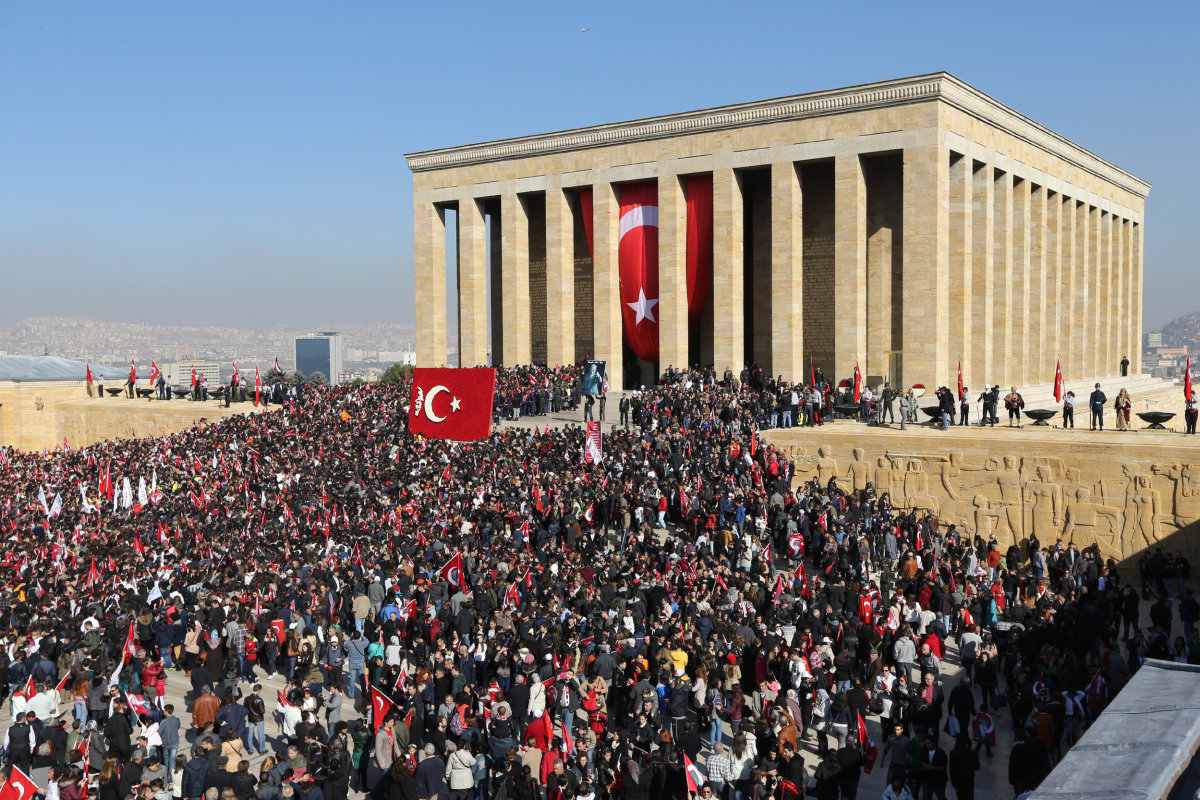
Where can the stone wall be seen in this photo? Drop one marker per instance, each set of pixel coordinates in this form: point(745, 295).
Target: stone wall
point(1125, 491)
point(36, 416)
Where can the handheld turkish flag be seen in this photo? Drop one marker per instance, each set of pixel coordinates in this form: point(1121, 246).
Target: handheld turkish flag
point(154, 373)
point(140, 705)
point(89, 372)
point(132, 371)
point(960, 382)
point(19, 786)
point(695, 778)
point(857, 383)
point(1058, 381)
point(381, 704)
point(277, 369)
point(129, 649)
point(236, 374)
point(257, 385)
point(63, 683)
point(869, 753)
point(28, 690)
point(452, 403)
point(1187, 380)
point(453, 572)
point(193, 377)
point(283, 701)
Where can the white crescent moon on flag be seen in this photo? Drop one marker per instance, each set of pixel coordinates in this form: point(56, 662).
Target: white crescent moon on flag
point(453, 575)
point(434, 392)
point(636, 217)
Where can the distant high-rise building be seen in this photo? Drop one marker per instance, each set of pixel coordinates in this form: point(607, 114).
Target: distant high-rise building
point(320, 352)
point(180, 373)
point(1154, 339)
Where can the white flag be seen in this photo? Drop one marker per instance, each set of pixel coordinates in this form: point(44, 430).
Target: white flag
point(142, 498)
point(126, 493)
point(155, 594)
point(87, 507)
point(42, 500)
point(56, 508)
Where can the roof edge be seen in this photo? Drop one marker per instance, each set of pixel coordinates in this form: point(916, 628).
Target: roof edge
point(931, 87)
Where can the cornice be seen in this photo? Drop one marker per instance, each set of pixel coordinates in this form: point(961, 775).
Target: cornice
point(904, 91)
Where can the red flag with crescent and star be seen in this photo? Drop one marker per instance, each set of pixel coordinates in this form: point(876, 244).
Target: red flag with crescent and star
point(154, 373)
point(1058, 381)
point(257, 386)
point(960, 380)
point(89, 373)
point(453, 572)
point(381, 704)
point(19, 786)
point(452, 403)
point(857, 383)
point(236, 374)
point(1187, 380)
point(638, 259)
point(132, 370)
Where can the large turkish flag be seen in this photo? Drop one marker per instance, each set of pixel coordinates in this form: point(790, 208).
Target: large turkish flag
point(638, 258)
point(452, 403)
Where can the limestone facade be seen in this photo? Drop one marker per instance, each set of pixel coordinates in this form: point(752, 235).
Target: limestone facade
point(904, 225)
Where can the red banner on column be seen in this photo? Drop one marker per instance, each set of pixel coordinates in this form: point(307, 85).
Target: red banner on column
point(699, 244)
point(585, 210)
point(638, 258)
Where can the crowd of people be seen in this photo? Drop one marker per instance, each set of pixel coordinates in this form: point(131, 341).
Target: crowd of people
point(685, 617)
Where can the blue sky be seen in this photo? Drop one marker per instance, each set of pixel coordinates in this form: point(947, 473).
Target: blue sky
point(234, 162)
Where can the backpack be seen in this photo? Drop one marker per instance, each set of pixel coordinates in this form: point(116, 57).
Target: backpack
point(456, 723)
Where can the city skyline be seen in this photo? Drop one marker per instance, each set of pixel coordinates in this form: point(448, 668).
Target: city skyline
point(209, 165)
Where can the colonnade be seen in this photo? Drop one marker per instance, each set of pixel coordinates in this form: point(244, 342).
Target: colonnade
point(972, 258)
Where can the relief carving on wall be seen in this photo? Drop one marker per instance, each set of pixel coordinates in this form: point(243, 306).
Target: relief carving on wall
point(1124, 507)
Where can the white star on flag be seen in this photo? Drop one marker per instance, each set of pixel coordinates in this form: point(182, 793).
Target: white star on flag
point(455, 404)
point(643, 307)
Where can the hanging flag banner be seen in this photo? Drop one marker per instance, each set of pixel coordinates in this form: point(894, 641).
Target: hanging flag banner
point(592, 450)
point(638, 259)
point(699, 244)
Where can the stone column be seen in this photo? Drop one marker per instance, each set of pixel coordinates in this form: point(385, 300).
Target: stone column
point(672, 308)
point(514, 269)
point(1110, 364)
point(1095, 311)
point(983, 220)
point(1036, 309)
point(429, 272)
point(1067, 312)
point(728, 255)
point(787, 272)
point(1082, 300)
point(1004, 359)
point(472, 284)
point(1020, 363)
point(961, 327)
point(849, 265)
point(560, 278)
point(926, 293)
point(1121, 282)
point(606, 292)
point(1135, 314)
point(1055, 341)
